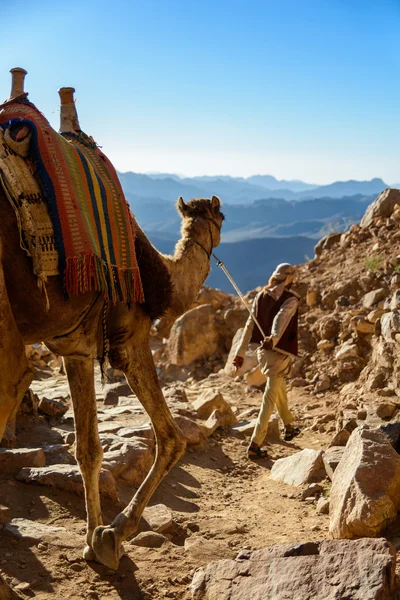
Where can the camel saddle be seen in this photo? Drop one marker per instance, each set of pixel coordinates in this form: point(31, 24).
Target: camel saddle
point(73, 217)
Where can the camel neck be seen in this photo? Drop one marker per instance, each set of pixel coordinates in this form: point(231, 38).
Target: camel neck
point(188, 267)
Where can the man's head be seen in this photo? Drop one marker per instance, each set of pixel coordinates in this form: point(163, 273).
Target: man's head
point(283, 274)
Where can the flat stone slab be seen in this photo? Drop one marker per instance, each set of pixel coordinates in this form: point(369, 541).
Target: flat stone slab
point(329, 570)
point(34, 532)
point(67, 477)
point(142, 431)
point(13, 460)
point(110, 427)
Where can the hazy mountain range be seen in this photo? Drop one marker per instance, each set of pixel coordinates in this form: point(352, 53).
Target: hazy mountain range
point(237, 190)
point(267, 220)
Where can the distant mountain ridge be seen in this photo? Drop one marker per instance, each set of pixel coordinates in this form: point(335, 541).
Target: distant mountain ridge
point(238, 190)
point(267, 221)
point(262, 218)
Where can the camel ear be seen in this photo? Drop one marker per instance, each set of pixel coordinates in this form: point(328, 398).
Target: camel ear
point(181, 206)
point(215, 204)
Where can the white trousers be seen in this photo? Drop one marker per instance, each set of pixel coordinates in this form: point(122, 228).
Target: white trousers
point(276, 366)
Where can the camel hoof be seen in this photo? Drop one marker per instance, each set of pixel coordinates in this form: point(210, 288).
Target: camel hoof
point(106, 547)
point(89, 553)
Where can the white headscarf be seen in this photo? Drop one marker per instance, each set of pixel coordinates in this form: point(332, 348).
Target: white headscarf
point(282, 277)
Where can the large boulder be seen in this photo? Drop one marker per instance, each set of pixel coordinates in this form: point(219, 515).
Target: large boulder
point(194, 336)
point(194, 434)
point(365, 493)
point(328, 570)
point(235, 318)
point(383, 206)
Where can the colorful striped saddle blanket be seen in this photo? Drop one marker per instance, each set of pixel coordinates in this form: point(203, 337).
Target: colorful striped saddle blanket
point(90, 218)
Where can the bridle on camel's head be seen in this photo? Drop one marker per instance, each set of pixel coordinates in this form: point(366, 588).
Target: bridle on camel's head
point(221, 264)
point(214, 222)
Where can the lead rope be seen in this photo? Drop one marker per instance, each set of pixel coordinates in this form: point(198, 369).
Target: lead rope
point(106, 344)
point(222, 266)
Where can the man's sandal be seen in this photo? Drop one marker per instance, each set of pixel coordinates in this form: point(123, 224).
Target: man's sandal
point(290, 433)
point(256, 452)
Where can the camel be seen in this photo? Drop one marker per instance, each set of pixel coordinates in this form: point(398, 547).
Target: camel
point(70, 329)
point(73, 329)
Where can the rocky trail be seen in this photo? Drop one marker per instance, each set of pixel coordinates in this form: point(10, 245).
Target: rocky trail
point(218, 503)
point(213, 505)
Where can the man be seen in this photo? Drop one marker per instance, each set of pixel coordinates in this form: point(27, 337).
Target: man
point(276, 310)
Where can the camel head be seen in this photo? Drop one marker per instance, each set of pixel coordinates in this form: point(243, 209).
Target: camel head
point(203, 218)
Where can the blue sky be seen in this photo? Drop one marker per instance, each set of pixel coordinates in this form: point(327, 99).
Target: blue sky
point(305, 89)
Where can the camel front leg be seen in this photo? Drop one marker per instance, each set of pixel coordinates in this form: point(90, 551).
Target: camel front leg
point(89, 452)
point(170, 445)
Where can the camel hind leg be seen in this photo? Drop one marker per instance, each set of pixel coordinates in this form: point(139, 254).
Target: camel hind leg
point(16, 376)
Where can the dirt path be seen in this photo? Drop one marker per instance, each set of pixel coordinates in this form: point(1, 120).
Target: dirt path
point(222, 503)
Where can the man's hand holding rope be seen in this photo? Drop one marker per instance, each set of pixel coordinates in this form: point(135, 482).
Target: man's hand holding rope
point(266, 344)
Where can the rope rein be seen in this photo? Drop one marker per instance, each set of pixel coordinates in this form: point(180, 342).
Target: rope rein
point(225, 270)
point(222, 266)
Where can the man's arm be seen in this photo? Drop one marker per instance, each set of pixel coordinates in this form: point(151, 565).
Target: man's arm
point(282, 319)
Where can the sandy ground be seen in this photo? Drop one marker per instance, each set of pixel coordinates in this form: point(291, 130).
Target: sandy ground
point(221, 501)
